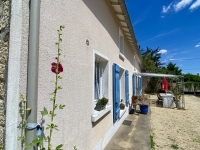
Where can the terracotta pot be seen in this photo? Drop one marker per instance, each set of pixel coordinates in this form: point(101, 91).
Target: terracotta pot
point(122, 106)
point(134, 100)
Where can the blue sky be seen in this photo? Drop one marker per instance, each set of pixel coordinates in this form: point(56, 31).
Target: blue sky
point(171, 25)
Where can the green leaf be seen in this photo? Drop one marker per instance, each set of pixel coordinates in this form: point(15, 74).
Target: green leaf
point(61, 106)
point(29, 145)
point(40, 143)
point(43, 113)
point(20, 138)
point(35, 141)
point(59, 87)
point(52, 99)
point(56, 127)
point(59, 147)
point(59, 77)
point(40, 138)
point(75, 148)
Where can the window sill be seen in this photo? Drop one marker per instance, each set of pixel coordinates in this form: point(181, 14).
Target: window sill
point(122, 112)
point(98, 114)
point(121, 55)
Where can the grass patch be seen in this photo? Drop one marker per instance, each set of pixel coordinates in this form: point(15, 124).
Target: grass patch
point(152, 142)
point(174, 146)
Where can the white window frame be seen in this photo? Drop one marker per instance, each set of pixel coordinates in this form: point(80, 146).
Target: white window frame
point(121, 43)
point(96, 115)
point(122, 81)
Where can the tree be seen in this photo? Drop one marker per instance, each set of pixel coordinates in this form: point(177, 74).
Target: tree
point(151, 60)
point(173, 69)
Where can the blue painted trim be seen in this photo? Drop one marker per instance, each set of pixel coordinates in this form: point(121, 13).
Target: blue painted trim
point(116, 92)
point(127, 87)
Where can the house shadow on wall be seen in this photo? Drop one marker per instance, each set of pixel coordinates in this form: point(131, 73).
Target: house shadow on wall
point(109, 21)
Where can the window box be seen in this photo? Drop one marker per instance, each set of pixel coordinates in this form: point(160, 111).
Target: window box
point(98, 114)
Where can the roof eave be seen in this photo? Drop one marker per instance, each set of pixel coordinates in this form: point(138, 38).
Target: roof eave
point(124, 19)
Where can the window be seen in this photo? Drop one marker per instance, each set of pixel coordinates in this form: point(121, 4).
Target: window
point(100, 77)
point(122, 89)
point(121, 43)
point(101, 86)
point(122, 85)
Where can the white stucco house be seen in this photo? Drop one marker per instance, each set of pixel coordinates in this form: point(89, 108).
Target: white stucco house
point(99, 56)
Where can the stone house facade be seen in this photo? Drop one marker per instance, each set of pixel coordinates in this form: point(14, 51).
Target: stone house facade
point(4, 37)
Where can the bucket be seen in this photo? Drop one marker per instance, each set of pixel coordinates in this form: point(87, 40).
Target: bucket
point(144, 109)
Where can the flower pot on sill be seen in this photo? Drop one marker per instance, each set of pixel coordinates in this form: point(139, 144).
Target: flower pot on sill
point(99, 107)
point(122, 106)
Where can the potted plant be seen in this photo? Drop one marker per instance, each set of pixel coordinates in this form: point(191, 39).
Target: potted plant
point(101, 104)
point(143, 107)
point(122, 106)
point(134, 99)
point(177, 96)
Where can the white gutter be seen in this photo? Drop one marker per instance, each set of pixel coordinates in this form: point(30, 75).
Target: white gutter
point(12, 99)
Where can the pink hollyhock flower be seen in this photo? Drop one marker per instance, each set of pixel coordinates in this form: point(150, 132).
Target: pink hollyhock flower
point(53, 68)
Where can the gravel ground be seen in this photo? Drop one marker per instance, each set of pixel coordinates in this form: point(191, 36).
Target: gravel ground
point(176, 129)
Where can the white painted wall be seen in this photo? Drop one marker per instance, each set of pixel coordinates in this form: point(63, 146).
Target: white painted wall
point(86, 19)
point(93, 20)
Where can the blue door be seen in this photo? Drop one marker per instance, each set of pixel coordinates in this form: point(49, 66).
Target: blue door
point(116, 92)
point(127, 87)
point(133, 82)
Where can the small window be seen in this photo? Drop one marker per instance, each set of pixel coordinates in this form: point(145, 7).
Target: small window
point(122, 85)
point(121, 42)
point(100, 77)
point(101, 86)
point(122, 89)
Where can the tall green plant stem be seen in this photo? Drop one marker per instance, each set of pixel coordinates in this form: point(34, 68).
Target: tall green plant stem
point(55, 92)
point(24, 125)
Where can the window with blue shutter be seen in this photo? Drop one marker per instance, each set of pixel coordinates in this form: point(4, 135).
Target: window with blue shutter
point(116, 92)
point(127, 87)
point(137, 85)
point(133, 84)
point(141, 85)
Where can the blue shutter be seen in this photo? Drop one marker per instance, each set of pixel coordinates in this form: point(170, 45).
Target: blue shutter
point(136, 85)
point(141, 85)
point(116, 92)
point(127, 87)
point(133, 82)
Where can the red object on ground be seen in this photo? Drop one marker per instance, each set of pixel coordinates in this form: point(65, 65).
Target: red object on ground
point(164, 84)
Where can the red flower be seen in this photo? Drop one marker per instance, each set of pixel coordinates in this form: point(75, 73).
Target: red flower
point(53, 68)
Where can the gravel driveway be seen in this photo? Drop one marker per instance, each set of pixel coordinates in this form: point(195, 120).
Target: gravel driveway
point(176, 129)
